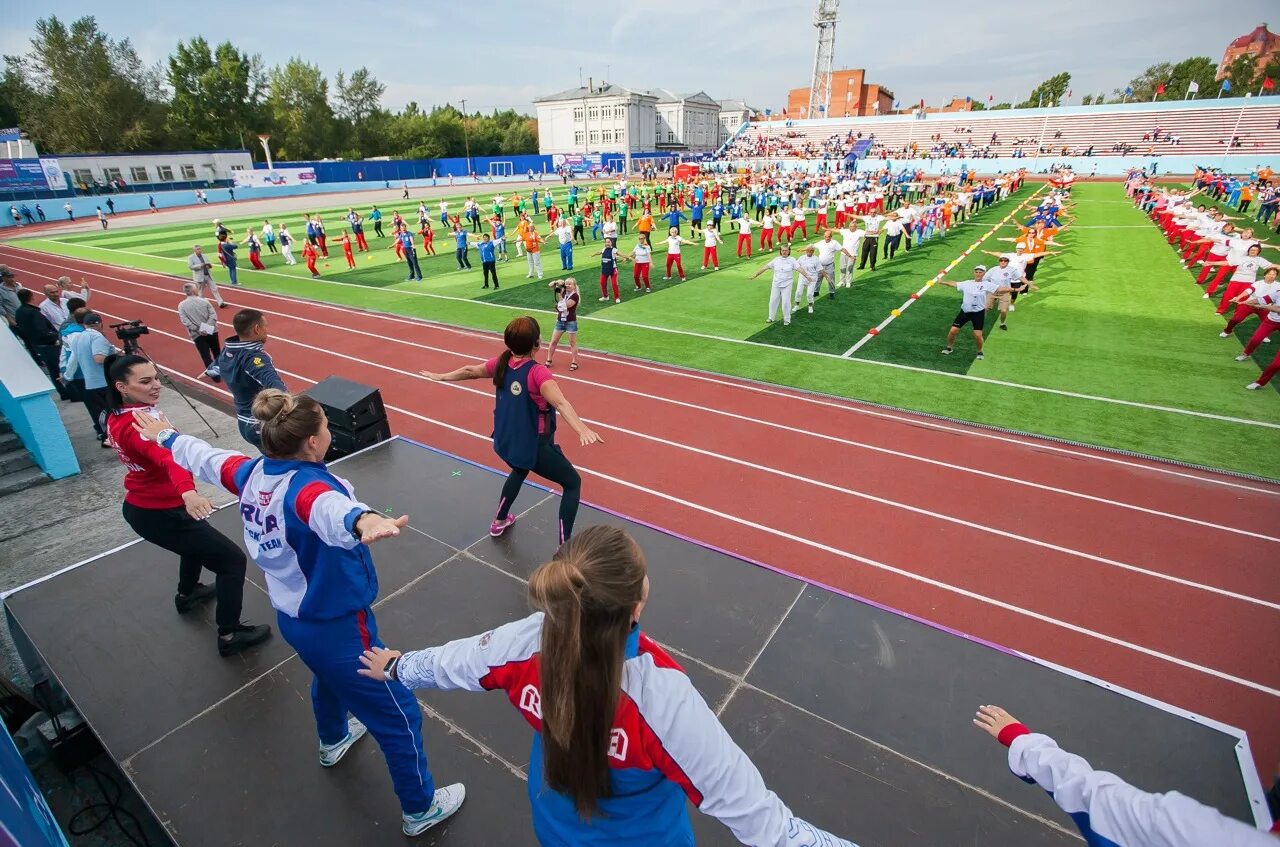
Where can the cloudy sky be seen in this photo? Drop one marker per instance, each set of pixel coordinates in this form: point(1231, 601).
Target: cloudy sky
point(505, 53)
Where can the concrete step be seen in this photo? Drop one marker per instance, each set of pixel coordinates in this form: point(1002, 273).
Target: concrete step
point(5, 426)
point(10, 441)
point(11, 483)
point(15, 460)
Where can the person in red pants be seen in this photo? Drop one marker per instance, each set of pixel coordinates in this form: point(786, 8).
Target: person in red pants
point(609, 258)
point(255, 250)
point(1244, 273)
point(320, 238)
point(428, 238)
point(673, 253)
point(744, 235)
point(1237, 248)
point(1270, 371)
point(346, 250)
point(309, 256)
point(710, 241)
point(1215, 245)
point(642, 261)
point(395, 242)
point(1266, 299)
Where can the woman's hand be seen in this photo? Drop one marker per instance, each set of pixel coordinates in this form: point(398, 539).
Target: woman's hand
point(375, 661)
point(371, 527)
point(588, 436)
point(149, 427)
point(198, 506)
point(434, 377)
point(993, 719)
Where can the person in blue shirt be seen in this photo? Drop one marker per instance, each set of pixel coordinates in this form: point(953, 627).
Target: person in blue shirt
point(376, 217)
point(674, 217)
point(534, 197)
point(500, 239)
point(90, 349)
point(410, 255)
point(488, 259)
point(227, 253)
point(461, 247)
point(717, 212)
point(695, 214)
point(246, 368)
point(573, 198)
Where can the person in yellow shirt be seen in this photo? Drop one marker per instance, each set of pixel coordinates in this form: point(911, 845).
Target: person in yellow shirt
point(521, 228)
point(1246, 197)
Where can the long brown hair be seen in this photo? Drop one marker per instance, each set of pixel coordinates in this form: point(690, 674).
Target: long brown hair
point(588, 593)
point(521, 337)
point(287, 421)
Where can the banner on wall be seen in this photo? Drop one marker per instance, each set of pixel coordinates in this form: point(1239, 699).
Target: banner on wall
point(274, 177)
point(25, 174)
point(53, 175)
point(578, 163)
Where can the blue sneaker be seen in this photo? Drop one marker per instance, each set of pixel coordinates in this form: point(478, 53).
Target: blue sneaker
point(445, 802)
point(331, 754)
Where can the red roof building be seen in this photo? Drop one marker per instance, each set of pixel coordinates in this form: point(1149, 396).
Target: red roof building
point(1261, 44)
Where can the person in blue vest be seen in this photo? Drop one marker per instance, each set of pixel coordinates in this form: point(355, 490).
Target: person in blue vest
point(227, 253)
point(695, 215)
point(488, 259)
point(307, 531)
point(461, 247)
point(717, 212)
point(674, 217)
point(410, 255)
point(528, 399)
point(535, 201)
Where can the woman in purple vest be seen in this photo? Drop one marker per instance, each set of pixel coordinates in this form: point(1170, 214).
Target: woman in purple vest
point(524, 422)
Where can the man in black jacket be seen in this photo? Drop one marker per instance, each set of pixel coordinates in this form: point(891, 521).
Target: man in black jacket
point(40, 337)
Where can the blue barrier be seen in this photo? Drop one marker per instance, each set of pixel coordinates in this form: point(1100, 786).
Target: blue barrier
point(25, 818)
point(29, 402)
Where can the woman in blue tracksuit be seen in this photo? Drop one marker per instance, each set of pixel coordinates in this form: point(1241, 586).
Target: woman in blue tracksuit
point(308, 533)
point(622, 740)
point(461, 247)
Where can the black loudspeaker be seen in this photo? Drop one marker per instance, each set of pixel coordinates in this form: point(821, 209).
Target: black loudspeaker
point(356, 415)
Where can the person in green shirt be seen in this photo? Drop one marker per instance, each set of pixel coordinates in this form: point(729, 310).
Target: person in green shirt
point(596, 217)
point(622, 218)
point(577, 219)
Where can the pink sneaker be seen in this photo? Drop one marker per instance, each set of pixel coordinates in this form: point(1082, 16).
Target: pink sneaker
point(498, 527)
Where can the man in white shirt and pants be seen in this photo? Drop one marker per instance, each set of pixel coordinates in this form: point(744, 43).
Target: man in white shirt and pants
point(784, 270)
point(202, 274)
point(810, 279)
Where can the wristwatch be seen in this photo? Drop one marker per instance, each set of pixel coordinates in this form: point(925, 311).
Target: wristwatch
point(164, 435)
point(390, 670)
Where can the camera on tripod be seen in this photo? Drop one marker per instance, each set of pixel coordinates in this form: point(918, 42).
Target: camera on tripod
point(129, 332)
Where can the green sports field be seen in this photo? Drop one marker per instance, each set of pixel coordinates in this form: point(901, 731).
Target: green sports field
point(1117, 349)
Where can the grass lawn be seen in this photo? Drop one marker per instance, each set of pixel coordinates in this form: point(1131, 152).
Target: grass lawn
point(1117, 349)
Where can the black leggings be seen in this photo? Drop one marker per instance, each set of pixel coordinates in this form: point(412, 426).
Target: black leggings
point(553, 465)
point(198, 545)
point(463, 260)
point(891, 243)
point(490, 268)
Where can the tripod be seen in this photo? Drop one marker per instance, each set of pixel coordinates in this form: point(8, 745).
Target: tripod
point(132, 346)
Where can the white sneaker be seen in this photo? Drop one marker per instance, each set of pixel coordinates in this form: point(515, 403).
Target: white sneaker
point(811, 310)
point(666, 277)
point(1224, 335)
point(616, 299)
point(1243, 357)
point(1253, 386)
point(604, 299)
point(331, 754)
point(1012, 308)
point(947, 351)
point(445, 802)
point(1204, 297)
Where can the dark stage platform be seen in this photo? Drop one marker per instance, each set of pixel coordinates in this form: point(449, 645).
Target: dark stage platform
point(858, 717)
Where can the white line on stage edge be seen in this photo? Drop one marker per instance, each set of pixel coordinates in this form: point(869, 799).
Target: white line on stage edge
point(718, 338)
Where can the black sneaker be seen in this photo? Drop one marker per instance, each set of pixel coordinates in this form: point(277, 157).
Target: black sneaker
point(242, 638)
point(1005, 328)
point(200, 594)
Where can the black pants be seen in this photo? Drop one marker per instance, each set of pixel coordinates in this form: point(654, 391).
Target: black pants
point(377, 229)
point(475, 226)
point(870, 246)
point(199, 547)
point(891, 243)
point(490, 268)
point(1244, 206)
point(552, 465)
point(208, 347)
point(577, 234)
point(48, 355)
point(463, 260)
point(622, 224)
point(271, 245)
point(95, 401)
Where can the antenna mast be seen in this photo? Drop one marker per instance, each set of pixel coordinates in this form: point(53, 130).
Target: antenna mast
point(824, 20)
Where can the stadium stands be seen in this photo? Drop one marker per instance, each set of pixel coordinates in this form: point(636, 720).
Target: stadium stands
point(1091, 131)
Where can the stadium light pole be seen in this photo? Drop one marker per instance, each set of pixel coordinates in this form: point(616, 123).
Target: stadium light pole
point(466, 141)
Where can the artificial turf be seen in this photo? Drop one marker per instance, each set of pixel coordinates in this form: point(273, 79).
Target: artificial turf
point(1116, 318)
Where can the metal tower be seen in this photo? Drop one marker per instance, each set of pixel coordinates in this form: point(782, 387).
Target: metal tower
point(824, 20)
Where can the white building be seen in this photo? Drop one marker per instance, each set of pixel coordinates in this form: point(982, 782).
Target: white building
point(155, 168)
point(733, 114)
point(612, 119)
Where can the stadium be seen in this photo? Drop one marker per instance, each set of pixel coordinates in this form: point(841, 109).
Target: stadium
point(822, 429)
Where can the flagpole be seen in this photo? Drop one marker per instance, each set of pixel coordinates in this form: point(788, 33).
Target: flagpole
point(1231, 138)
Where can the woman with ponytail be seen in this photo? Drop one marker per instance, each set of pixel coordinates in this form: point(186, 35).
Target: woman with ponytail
point(621, 737)
point(524, 422)
point(162, 505)
point(308, 533)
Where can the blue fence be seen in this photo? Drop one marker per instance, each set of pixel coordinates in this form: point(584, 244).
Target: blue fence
point(394, 171)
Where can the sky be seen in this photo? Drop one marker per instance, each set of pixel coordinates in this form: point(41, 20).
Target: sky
point(503, 54)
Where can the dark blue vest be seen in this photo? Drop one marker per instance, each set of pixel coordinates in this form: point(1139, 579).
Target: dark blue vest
point(515, 420)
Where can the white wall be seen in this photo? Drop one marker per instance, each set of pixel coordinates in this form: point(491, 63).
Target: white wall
point(557, 128)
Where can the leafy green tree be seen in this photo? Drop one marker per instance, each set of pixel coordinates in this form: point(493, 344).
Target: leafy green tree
point(298, 112)
point(1240, 74)
point(357, 97)
point(1087, 100)
point(1270, 70)
point(1052, 90)
point(217, 95)
point(1002, 106)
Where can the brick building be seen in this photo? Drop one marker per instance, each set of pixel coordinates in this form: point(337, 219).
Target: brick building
point(1261, 44)
point(851, 96)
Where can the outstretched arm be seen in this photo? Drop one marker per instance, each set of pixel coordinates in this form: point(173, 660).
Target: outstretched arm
point(464, 373)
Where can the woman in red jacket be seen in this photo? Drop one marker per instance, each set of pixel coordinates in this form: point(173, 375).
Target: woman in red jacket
point(162, 505)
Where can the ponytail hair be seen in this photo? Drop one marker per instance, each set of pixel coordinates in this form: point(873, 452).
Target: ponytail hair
point(286, 421)
point(521, 337)
point(117, 367)
point(588, 594)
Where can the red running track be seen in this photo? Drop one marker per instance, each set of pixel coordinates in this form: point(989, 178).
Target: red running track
point(1150, 577)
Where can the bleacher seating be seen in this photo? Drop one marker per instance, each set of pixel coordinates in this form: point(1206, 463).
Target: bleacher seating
point(1097, 131)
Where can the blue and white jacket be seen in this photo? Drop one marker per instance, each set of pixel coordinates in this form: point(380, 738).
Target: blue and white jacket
point(666, 745)
point(246, 368)
point(299, 527)
point(1112, 813)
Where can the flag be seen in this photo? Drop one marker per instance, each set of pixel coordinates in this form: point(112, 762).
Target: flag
point(1193, 87)
point(1128, 90)
point(1267, 84)
point(1160, 88)
point(784, 111)
point(991, 98)
point(1226, 85)
point(822, 108)
point(803, 109)
point(1069, 90)
point(968, 99)
point(897, 104)
point(768, 112)
point(875, 107)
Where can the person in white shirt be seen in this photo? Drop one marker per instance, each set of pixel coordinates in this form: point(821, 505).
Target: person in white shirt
point(1249, 291)
point(851, 237)
point(610, 229)
point(744, 235)
point(784, 270)
point(810, 276)
point(202, 274)
point(54, 307)
point(766, 233)
point(893, 230)
point(1011, 272)
point(286, 245)
point(642, 262)
point(799, 225)
point(710, 240)
point(973, 307)
point(828, 250)
point(673, 252)
point(1238, 250)
point(784, 225)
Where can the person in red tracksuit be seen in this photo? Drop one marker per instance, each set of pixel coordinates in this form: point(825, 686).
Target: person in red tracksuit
point(346, 250)
point(255, 250)
point(162, 505)
point(309, 256)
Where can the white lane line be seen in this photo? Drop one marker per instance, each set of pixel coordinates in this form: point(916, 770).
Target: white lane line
point(758, 344)
point(1119, 642)
point(759, 389)
point(894, 314)
point(711, 454)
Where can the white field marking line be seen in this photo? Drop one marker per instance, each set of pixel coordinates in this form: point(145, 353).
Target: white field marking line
point(894, 314)
point(963, 592)
point(683, 373)
point(770, 424)
point(758, 344)
point(817, 483)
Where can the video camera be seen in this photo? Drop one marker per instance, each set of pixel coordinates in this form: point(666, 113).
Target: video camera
point(129, 332)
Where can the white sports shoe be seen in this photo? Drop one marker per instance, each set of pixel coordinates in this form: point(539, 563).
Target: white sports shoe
point(331, 754)
point(1253, 386)
point(1243, 357)
point(1224, 335)
point(445, 802)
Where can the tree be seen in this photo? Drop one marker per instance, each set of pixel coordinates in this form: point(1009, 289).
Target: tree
point(357, 97)
point(1002, 106)
point(1087, 100)
point(1052, 90)
point(297, 111)
point(1240, 74)
point(520, 138)
point(81, 92)
point(1271, 70)
point(217, 96)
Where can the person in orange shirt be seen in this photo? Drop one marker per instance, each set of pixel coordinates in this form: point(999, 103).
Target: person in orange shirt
point(644, 225)
point(1264, 175)
point(1246, 197)
point(533, 251)
point(522, 226)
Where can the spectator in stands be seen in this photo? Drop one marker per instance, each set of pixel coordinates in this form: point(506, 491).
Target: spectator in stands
point(247, 369)
point(40, 336)
point(583, 650)
point(201, 323)
point(1106, 808)
point(89, 350)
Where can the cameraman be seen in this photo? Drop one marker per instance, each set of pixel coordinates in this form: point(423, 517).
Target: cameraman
point(196, 314)
point(247, 369)
point(90, 349)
